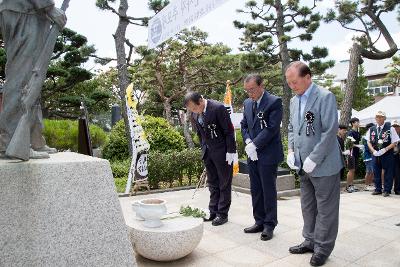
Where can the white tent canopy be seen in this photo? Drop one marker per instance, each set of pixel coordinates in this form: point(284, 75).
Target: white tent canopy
point(390, 105)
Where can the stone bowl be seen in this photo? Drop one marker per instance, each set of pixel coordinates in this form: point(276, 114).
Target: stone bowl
point(175, 239)
point(151, 210)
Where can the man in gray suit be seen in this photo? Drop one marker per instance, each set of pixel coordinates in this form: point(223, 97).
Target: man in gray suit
point(314, 151)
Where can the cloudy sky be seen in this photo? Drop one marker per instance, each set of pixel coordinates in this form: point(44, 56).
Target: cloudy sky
point(98, 26)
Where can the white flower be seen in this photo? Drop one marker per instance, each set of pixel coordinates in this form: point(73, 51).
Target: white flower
point(380, 141)
point(351, 138)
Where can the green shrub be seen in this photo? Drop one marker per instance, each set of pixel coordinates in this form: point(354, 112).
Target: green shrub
point(63, 134)
point(120, 168)
point(194, 135)
point(240, 144)
point(120, 184)
point(166, 169)
point(161, 135)
point(98, 136)
point(117, 147)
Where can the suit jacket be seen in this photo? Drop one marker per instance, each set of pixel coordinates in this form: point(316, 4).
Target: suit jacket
point(25, 6)
point(217, 134)
point(266, 139)
point(321, 146)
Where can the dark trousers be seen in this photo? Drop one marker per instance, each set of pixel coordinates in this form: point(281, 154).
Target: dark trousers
point(384, 162)
point(219, 180)
point(263, 193)
point(397, 173)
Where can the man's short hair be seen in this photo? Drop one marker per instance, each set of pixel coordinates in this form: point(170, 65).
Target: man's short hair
point(342, 127)
point(354, 120)
point(192, 97)
point(301, 67)
point(254, 76)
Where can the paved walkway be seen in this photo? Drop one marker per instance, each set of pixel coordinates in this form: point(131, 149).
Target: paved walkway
point(368, 235)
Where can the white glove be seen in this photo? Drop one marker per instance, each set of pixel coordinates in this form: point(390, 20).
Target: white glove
point(346, 152)
point(250, 149)
point(382, 151)
point(253, 156)
point(309, 165)
point(359, 146)
point(231, 158)
point(248, 141)
point(377, 153)
point(290, 161)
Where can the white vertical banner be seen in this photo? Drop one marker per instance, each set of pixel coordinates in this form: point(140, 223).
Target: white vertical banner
point(140, 146)
point(177, 15)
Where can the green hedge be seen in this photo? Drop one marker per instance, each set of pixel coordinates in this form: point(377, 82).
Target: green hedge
point(117, 147)
point(166, 169)
point(159, 133)
point(63, 134)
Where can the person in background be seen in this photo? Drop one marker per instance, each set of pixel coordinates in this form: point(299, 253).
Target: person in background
point(396, 150)
point(382, 139)
point(367, 158)
point(353, 157)
point(341, 136)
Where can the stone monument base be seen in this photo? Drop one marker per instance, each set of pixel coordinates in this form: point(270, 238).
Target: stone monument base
point(61, 211)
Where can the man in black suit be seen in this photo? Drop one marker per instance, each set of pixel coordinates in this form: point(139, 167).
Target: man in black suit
point(217, 139)
point(261, 133)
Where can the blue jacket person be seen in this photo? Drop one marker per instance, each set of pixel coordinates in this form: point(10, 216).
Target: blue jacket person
point(215, 130)
point(261, 132)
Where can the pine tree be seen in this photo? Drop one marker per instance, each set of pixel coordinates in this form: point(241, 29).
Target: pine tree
point(276, 23)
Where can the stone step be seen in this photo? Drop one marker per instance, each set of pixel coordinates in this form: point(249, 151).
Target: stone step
point(283, 182)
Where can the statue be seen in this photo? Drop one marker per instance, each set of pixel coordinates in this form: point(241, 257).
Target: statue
point(29, 37)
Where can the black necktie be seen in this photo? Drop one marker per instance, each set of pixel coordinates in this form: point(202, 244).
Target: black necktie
point(254, 108)
point(300, 115)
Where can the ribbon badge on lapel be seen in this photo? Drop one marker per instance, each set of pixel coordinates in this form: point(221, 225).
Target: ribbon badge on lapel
point(213, 132)
point(261, 117)
point(309, 118)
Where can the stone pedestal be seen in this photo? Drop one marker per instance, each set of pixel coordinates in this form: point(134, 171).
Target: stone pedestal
point(61, 211)
point(283, 182)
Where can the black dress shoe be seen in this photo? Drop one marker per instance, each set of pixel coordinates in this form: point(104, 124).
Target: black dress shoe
point(300, 249)
point(219, 221)
point(386, 194)
point(376, 193)
point(397, 192)
point(209, 219)
point(267, 235)
point(318, 259)
point(254, 229)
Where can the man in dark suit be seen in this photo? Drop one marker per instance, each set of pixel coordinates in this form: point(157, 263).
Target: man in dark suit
point(261, 132)
point(217, 139)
